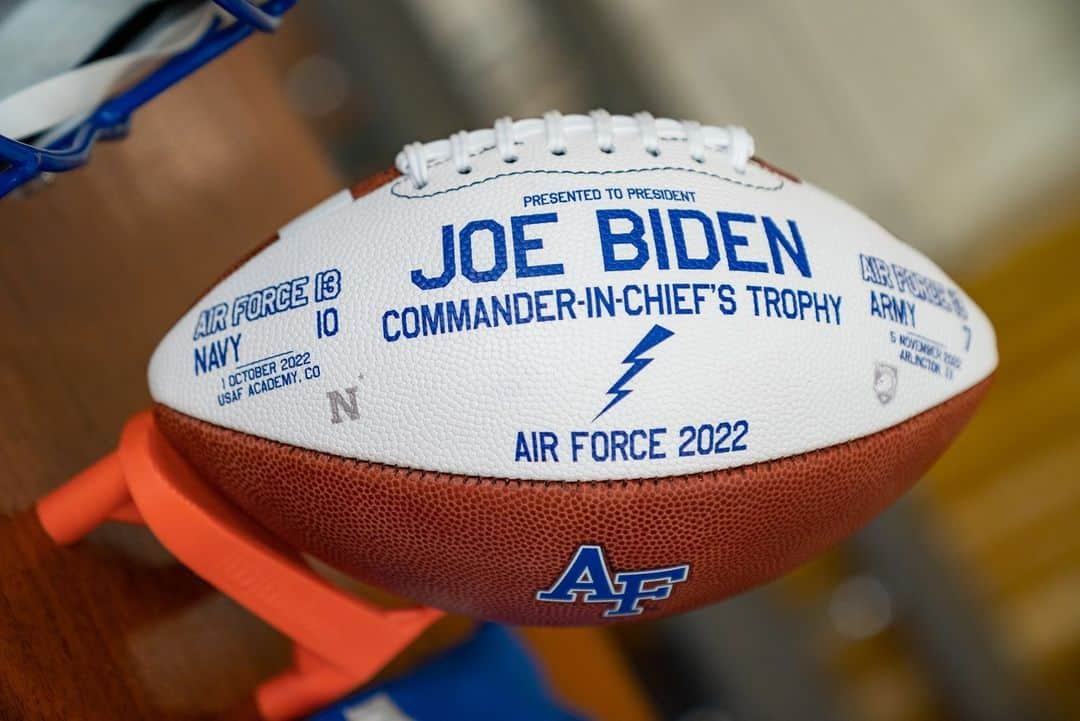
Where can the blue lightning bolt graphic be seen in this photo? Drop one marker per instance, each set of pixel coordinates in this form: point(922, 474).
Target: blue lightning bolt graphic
point(653, 338)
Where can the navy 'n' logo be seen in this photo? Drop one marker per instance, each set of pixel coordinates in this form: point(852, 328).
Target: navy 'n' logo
point(588, 579)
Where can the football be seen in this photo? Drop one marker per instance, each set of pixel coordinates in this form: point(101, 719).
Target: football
point(573, 370)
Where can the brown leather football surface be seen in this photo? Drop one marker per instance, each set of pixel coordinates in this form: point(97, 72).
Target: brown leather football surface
point(484, 547)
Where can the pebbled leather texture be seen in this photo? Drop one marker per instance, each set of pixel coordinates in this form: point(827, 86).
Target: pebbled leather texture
point(484, 547)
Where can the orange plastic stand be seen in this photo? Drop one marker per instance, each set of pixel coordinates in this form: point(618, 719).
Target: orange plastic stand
point(340, 642)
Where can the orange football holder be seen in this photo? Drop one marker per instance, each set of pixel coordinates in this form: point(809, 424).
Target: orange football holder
point(339, 641)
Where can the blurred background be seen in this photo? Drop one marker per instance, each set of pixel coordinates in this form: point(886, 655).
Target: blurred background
point(956, 125)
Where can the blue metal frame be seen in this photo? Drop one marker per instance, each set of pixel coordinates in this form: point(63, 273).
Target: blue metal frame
point(112, 118)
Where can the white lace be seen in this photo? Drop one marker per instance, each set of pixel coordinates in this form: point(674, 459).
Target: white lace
point(695, 140)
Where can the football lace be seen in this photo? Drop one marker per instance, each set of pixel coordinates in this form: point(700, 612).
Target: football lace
point(416, 159)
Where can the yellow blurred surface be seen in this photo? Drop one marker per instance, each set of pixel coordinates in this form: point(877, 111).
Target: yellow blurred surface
point(1008, 494)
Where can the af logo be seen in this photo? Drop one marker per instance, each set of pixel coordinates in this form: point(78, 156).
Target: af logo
point(588, 579)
